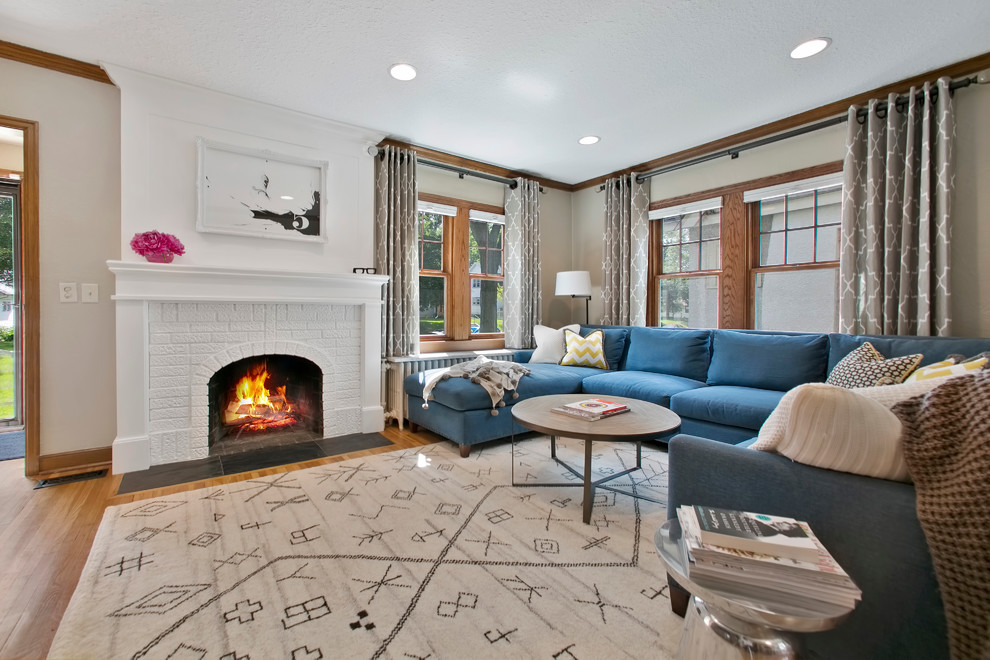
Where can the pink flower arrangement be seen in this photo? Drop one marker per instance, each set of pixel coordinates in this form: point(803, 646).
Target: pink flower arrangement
point(156, 246)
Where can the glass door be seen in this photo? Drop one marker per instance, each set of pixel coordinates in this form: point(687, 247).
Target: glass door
point(10, 349)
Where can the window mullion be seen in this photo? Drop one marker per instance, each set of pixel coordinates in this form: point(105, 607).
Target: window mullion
point(460, 280)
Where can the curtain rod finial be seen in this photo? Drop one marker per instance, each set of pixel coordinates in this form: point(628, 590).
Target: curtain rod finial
point(372, 150)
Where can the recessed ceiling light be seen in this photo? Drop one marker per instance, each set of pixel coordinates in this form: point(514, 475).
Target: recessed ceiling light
point(402, 71)
point(589, 139)
point(287, 197)
point(810, 47)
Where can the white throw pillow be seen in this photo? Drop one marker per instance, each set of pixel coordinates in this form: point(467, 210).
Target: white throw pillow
point(550, 346)
point(838, 429)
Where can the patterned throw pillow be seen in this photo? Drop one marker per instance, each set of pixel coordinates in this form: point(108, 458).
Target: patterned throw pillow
point(867, 367)
point(947, 368)
point(584, 351)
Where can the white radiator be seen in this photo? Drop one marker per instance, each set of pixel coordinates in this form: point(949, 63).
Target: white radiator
point(396, 369)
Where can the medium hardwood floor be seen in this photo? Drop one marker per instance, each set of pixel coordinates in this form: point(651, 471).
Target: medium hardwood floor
point(45, 536)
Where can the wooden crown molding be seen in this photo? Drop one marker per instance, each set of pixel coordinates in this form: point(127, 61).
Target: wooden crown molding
point(959, 69)
point(45, 60)
point(467, 163)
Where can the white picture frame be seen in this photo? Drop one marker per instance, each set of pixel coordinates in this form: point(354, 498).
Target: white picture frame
point(259, 193)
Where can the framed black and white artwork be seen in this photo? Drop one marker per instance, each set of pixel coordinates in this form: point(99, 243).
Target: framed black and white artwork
point(254, 192)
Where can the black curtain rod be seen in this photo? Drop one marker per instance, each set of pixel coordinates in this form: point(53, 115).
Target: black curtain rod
point(733, 152)
point(466, 172)
point(453, 168)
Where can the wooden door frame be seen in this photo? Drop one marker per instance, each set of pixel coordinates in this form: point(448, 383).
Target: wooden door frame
point(30, 311)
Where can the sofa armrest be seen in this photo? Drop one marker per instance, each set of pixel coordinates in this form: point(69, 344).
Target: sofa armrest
point(869, 525)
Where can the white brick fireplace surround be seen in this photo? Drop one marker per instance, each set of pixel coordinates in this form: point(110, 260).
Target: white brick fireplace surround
point(178, 324)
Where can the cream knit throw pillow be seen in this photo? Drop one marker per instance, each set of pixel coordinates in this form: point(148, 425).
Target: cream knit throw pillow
point(772, 431)
point(850, 430)
point(835, 428)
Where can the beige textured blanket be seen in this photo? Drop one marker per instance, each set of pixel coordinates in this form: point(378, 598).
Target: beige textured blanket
point(495, 376)
point(947, 448)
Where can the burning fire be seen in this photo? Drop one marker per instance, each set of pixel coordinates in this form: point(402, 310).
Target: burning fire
point(254, 408)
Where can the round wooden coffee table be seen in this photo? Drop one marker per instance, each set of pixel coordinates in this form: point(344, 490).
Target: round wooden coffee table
point(644, 421)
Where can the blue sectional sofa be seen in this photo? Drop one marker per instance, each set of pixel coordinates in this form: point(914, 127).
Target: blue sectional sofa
point(722, 383)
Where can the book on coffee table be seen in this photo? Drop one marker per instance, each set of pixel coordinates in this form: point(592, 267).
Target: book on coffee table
point(591, 409)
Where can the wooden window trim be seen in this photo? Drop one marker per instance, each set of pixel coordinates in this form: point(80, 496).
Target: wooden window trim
point(458, 289)
point(739, 245)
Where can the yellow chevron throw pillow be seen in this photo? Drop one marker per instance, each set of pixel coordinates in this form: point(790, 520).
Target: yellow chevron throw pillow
point(584, 351)
point(947, 368)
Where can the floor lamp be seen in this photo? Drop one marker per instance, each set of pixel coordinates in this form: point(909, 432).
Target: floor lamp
point(576, 284)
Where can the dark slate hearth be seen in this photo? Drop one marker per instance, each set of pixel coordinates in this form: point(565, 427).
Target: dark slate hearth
point(159, 476)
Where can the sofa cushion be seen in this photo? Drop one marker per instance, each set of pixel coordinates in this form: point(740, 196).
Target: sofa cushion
point(462, 394)
point(670, 351)
point(550, 343)
point(584, 351)
point(744, 407)
point(647, 386)
point(767, 361)
point(867, 367)
point(616, 339)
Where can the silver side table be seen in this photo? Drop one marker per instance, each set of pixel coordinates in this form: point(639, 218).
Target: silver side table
point(722, 625)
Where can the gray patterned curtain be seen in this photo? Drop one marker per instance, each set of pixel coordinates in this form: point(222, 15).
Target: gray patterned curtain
point(395, 249)
point(896, 209)
point(521, 286)
point(626, 251)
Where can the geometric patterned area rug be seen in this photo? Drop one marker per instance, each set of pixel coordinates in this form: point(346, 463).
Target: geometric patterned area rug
point(409, 554)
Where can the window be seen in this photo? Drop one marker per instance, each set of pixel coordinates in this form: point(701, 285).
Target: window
point(758, 254)
point(796, 269)
point(461, 269)
point(689, 245)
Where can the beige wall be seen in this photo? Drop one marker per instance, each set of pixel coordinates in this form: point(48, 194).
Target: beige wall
point(79, 135)
point(11, 157)
point(971, 222)
point(555, 226)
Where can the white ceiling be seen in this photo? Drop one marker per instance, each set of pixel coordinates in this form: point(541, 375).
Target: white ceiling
point(516, 83)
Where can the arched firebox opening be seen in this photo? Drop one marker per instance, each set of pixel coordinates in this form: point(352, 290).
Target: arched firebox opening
point(265, 400)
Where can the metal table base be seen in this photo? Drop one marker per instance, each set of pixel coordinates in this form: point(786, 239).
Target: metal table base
point(585, 477)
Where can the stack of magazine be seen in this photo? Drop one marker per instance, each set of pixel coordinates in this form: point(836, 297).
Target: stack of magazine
point(769, 559)
point(591, 409)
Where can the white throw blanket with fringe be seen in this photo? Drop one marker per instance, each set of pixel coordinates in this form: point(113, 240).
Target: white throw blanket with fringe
point(496, 376)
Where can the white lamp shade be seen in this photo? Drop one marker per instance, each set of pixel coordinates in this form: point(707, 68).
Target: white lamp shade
point(573, 283)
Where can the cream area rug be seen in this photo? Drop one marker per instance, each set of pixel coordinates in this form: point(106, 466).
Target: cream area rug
point(408, 554)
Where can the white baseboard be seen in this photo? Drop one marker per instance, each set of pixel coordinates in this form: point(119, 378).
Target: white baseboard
point(372, 419)
point(131, 454)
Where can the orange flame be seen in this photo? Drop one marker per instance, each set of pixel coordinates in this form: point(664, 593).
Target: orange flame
point(253, 400)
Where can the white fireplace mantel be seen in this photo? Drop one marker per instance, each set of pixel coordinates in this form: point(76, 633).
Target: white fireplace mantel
point(139, 286)
point(180, 282)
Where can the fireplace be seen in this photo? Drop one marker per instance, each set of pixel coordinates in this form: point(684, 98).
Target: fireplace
point(264, 400)
point(180, 325)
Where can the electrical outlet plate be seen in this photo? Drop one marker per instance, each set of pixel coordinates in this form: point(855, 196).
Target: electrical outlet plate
point(90, 293)
point(67, 292)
